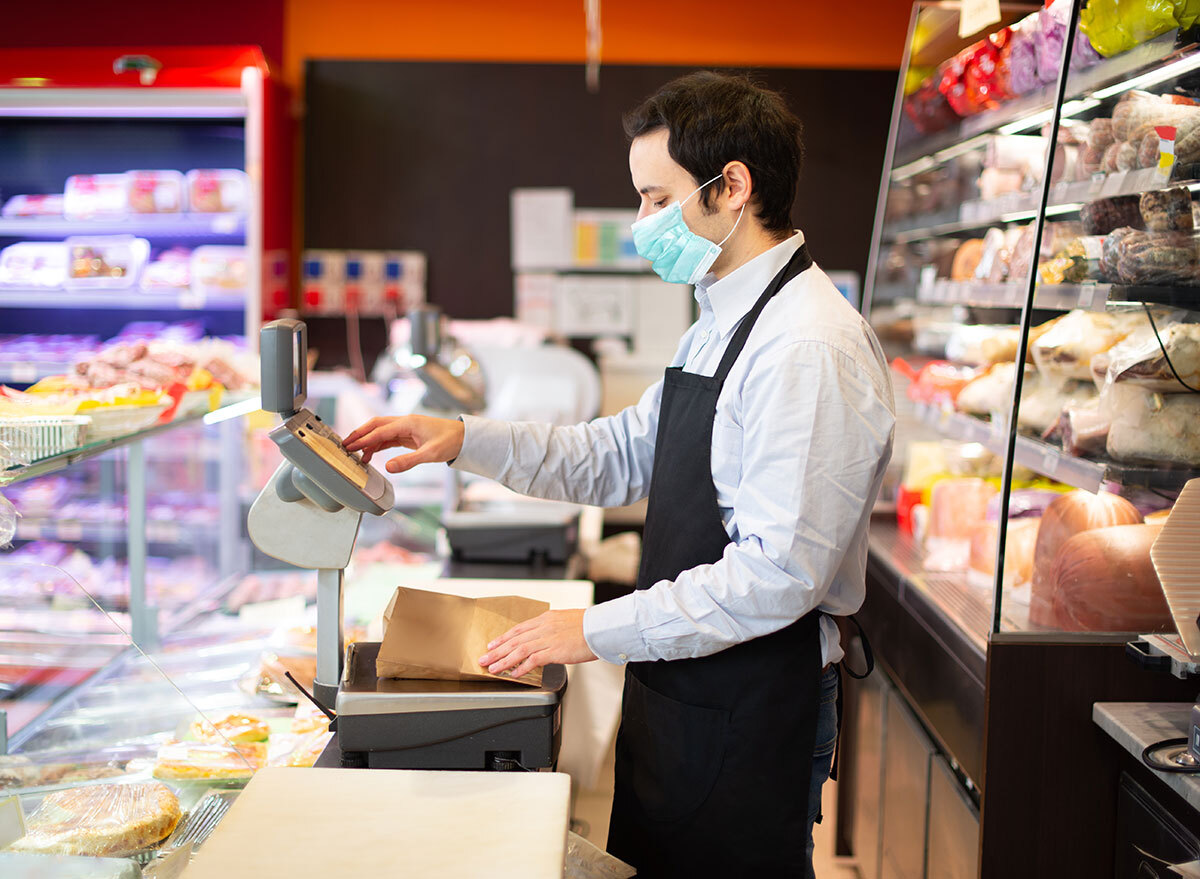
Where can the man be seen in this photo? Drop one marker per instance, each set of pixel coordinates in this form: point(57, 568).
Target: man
point(762, 451)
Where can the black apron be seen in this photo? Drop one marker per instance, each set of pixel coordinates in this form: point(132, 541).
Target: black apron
point(714, 754)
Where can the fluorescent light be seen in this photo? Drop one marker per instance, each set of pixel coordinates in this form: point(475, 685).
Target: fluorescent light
point(1082, 105)
point(1153, 77)
point(1031, 121)
point(235, 410)
point(1056, 209)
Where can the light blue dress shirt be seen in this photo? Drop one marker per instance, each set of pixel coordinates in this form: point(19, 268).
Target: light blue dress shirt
point(801, 438)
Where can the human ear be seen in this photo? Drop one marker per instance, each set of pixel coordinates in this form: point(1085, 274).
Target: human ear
point(739, 185)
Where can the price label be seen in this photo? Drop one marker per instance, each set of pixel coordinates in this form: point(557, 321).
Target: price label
point(191, 299)
point(1096, 183)
point(975, 15)
point(1087, 294)
point(1050, 462)
point(24, 373)
point(12, 821)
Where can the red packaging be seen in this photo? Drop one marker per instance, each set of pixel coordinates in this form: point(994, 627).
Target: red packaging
point(928, 108)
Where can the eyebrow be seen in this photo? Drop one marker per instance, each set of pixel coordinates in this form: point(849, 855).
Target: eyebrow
point(646, 190)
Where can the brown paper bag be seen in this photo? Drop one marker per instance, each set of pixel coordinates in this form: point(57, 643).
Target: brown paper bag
point(434, 636)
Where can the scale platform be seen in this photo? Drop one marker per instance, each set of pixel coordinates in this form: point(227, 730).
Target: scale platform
point(420, 724)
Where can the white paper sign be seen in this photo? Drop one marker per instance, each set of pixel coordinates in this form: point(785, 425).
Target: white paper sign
point(543, 228)
point(976, 15)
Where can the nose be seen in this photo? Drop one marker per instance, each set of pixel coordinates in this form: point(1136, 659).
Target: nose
point(644, 210)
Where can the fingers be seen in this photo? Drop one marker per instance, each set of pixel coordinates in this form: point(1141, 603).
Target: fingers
point(362, 431)
point(376, 434)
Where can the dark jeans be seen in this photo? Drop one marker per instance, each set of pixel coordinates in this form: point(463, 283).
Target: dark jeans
point(823, 753)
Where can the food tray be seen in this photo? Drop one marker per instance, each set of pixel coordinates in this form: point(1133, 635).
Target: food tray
point(109, 422)
point(28, 438)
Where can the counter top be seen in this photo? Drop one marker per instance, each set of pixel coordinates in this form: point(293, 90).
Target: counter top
point(1137, 725)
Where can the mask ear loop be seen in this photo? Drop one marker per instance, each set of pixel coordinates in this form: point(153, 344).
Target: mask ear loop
point(735, 225)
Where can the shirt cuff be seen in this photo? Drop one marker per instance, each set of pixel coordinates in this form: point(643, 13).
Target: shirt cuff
point(611, 631)
point(486, 448)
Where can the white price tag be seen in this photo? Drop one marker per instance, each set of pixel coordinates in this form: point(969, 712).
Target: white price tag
point(1096, 183)
point(928, 280)
point(272, 612)
point(191, 299)
point(25, 373)
point(976, 15)
point(12, 821)
point(1087, 294)
point(1050, 462)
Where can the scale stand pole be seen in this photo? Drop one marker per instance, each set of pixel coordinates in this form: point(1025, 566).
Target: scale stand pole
point(330, 639)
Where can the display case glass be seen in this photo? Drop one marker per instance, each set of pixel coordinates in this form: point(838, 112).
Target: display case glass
point(1034, 271)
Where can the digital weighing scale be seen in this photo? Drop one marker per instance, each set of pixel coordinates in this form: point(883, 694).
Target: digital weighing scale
point(308, 515)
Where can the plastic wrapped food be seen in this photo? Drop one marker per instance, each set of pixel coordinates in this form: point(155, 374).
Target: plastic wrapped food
point(1115, 26)
point(28, 206)
point(1018, 59)
point(217, 191)
point(966, 259)
point(1106, 214)
point(1071, 514)
point(234, 728)
point(111, 820)
point(1083, 429)
point(1018, 550)
point(1138, 360)
point(956, 506)
point(1104, 581)
point(984, 78)
point(989, 392)
point(183, 761)
point(41, 264)
point(983, 344)
point(1042, 402)
point(219, 269)
point(1157, 258)
point(928, 108)
point(171, 270)
point(1100, 133)
point(937, 382)
point(1167, 210)
point(95, 196)
point(1110, 253)
point(105, 261)
point(155, 192)
point(1153, 428)
point(1065, 351)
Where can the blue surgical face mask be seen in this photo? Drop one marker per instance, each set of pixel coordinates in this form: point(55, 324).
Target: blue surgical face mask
point(676, 253)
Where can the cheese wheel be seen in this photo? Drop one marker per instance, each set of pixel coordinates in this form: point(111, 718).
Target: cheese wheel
point(1104, 581)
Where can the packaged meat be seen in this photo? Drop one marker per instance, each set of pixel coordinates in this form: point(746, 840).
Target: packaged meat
point(111, 262)
point(40, 264)
point(1153, 428)
point(991, 392)
point(187, 761)
point(1104, 581)
point(983, 344)
point(1071, 514)
point(1042, 402)
point(170, 270)
point(1167, 210)
point(1106, 214)
point(984, 79)
point(995, 182)
point(1065, 350)
point(155, 192)
point(1139, 360)
point(233, 728)
point(937, 382)
point(956, 508)
point(1110, 253)
point(95, 196)
point(1018, 550)
point(1083, 428)
point(1022, 255)
point(1016, 152)
point(1157, 258)
point(1148, 152)
point(928, 108)
point(29, 206)
point(217, 191)
point(1077, 262)
point(219, 268)
point(1018, 58)
point(1127, 155)
point(101, 820)
point(1100, 133)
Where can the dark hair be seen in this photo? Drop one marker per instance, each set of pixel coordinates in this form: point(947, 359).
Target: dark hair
point(713, 119)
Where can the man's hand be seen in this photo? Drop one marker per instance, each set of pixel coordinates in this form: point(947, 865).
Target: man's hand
point(432, 439)
point(555, 636)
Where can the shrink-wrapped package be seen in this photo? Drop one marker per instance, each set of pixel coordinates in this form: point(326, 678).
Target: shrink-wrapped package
point(1104, 581)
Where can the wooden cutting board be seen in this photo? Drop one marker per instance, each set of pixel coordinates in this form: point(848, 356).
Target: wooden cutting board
point(290, 823)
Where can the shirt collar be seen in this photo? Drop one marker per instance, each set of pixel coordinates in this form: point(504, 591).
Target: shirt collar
point(733, 296)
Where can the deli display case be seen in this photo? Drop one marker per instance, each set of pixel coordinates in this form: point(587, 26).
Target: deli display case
point(1035, 277)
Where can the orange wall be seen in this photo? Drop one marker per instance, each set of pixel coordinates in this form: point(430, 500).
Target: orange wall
point(867, 34)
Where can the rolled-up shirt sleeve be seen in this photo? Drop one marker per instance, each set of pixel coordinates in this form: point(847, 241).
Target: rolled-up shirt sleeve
point(816, 436)
point(606, 462)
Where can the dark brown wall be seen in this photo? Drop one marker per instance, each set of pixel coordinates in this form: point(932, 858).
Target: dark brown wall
point(423, 156)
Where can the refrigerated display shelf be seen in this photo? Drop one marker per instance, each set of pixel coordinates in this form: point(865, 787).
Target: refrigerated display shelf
point(201, 228)
point(1089, 295)
point(969, 216)
point(58, 462)
point(1050, 460)
point(77, 531)
point(175, 300)
point(1032, 110)
point(1102, 185)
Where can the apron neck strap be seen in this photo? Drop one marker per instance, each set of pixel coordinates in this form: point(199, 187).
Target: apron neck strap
point(800, 261)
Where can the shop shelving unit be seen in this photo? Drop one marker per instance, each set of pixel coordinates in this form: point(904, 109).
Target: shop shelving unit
point(997, 699)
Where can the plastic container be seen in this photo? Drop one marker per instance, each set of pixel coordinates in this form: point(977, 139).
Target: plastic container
point(171, 271)
point(220, 269)
point(155, 192)
point(40, 264)
point(217, 191)
point(28, 206)
point(26, 439)
point(95, 196)
point(111, 262)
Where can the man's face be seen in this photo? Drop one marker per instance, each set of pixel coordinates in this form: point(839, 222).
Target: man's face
point(660, 180)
